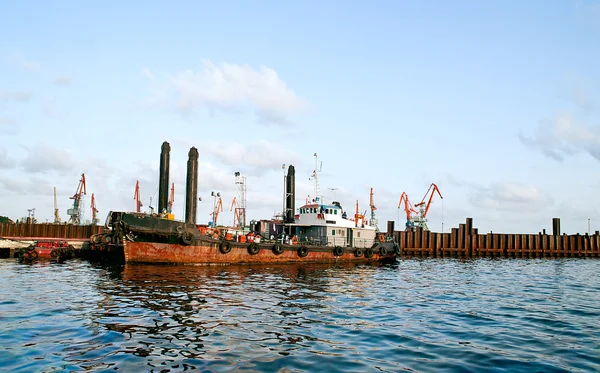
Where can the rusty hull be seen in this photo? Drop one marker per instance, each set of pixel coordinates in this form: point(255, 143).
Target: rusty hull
point(206, 252)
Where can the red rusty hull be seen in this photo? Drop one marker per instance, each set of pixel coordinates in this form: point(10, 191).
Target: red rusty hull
point(44, 252)
point(206, 252)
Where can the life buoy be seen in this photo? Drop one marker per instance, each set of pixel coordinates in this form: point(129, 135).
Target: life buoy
point(294, 240)
point(253, 248)
point(224, 247)
point(358, 253)
point(277, 248)
point(382, 251)
point(368, 253)
point(302, 251)
point(187, 238)
point(338, 251)
point(381, 238)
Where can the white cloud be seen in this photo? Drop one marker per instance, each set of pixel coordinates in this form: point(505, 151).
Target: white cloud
point(9, 126)
point(63, 80)
point(231, 88)
point(42, 158)
point(20, 61)
point(254, 157)
point(517, 197)
point(5, 160)
point(49, 109)
point(17, 96)
point(562, 137)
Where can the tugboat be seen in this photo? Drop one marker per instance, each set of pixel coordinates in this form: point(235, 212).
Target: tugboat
point(319, 233)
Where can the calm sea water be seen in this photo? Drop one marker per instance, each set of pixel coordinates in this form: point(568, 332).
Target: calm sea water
point(415, 315)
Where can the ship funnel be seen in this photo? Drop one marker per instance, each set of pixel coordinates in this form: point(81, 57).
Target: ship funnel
point(290, 199)
point(163, 182)
point(191, 187)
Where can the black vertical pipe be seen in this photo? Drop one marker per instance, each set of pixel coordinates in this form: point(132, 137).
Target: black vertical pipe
point(163, 182)
point(390, 228)
point(290, 199)
point(556, 226)
point(191, 187)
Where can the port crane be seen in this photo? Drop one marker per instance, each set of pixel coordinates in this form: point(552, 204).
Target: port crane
point(171, 199)
point(218, 207)
point(75, 211)
point(56, 213)
point(136, 197)
point(421, 219)
point(373, 208)
point(237, 222)
point(95, 219)
point(408, 209)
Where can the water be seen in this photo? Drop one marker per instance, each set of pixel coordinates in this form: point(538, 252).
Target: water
point(416, 315)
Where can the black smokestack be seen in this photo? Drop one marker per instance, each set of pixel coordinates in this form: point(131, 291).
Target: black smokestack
point(191, 187)
point(290, 200)
point(163, 183)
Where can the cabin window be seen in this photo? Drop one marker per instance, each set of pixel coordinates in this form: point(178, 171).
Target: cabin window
point(333, 232)
point(357, 234)
point(327, 211)
point(335, 212)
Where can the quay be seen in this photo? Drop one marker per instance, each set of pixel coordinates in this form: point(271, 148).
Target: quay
point(464, 241)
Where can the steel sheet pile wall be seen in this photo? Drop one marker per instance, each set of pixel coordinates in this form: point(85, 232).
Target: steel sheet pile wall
point(62, 231)
point(466, 242)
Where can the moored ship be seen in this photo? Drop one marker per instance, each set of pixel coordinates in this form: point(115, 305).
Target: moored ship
point(318, 233)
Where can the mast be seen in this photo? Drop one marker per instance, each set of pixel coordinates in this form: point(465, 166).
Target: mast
point(315, 178)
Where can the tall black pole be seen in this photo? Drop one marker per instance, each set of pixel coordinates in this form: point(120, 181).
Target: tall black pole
point(163, 183)
point(191, 187)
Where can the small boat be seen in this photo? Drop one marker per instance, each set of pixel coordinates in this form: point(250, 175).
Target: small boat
point(46, 250)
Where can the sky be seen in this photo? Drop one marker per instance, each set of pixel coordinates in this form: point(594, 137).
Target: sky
point(495, 102)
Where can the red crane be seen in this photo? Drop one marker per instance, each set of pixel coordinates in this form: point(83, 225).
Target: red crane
point(94, 210)
point(75, 211)
point(421, 221)
point(171, 199)
point(408, 208)
point(136, 197)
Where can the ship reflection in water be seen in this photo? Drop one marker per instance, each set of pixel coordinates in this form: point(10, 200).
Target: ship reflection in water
point(416, 315)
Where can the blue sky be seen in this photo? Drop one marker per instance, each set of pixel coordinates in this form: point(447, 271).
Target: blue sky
point(495, 102)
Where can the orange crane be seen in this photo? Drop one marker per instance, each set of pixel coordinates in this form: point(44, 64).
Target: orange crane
point(136, 197)
point(237, 213)
point(421, 220)
point(171, 199)
point(75, 211)
point(95, 220)
point(373, 208)
point(408, 208)
point(218, 206)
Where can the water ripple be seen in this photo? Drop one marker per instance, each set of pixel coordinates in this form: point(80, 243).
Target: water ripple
point(415, 315)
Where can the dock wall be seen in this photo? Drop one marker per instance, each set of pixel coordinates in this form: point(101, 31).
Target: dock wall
point(466, 242)
point(37, 231)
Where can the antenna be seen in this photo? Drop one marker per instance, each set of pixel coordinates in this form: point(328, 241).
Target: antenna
point(315, 177)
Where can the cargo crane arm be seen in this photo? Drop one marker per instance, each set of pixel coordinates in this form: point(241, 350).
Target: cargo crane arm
point(171, 199)
point(136, 197)
point(408, 207)
point(432, 189)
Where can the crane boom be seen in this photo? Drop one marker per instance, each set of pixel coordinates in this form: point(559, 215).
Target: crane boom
point(171, 199)
point(136, 197)
point(56, 213)
point(432, 188)
point(94, 210)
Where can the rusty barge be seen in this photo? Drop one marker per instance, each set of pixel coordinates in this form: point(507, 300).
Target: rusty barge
point(319, 233)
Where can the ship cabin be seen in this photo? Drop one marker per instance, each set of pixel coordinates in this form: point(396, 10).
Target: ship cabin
point(323, 224)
